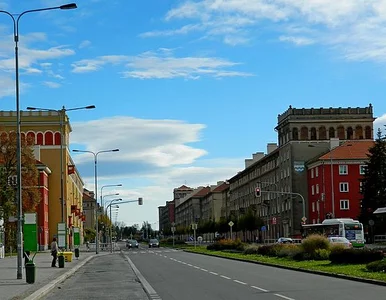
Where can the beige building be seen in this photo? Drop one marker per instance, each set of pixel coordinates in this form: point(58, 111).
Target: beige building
point(44, 129)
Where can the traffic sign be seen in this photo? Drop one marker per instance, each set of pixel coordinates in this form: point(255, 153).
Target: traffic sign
point(304, 219)
point(231, 223)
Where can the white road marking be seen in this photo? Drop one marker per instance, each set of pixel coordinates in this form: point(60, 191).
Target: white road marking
point(214, 273)
point(237, 281)
point(205, 270)
point(196, 267)
point(260, 289)
point(225, 277)
point(284, 297)
point(189, 265)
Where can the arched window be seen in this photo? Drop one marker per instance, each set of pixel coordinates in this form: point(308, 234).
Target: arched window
point(359, 133)
point(304, 133)
point(313, 133)
point(39, 139)
point(341, 133)
point(48, 138)
point(295, 134)
point(331, 132)
point(368, 133)
point(31, 138)
point(322, 133)
point(350, 133)
point(57, 138)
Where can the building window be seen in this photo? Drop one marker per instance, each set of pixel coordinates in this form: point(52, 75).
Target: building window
point(344, 205)
point(312, 173)
point(343, 169)
point(313, 190)
point(313, 206)
point(316, 171)
point(343, 187)
point(362, 169)
point(317, 189)
point(360, 186)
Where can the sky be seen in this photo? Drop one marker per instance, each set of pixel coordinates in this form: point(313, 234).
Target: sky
point(187, 90)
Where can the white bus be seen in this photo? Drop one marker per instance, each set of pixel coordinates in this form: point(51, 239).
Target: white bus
point(349, 228)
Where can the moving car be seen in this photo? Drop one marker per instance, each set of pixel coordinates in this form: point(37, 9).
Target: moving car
point(284, 240)
point(339, 240)
point(153, 243)
point(132, 244)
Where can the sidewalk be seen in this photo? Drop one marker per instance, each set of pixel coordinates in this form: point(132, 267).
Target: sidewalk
point(46, 276)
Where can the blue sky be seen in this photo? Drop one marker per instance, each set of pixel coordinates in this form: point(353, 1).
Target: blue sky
point(188, 89)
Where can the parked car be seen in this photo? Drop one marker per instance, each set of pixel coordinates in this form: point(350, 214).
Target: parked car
point(153, 243)
point(338, 240)
point(132, 244)
point(284, 240)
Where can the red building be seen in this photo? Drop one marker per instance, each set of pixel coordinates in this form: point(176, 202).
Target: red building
point(335, 193)
point(42, 208)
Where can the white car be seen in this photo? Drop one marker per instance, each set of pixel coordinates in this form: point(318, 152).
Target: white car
point(338, 240)
point(284, 240)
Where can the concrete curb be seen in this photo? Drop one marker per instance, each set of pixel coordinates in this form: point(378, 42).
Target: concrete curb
point(151, 293)
point(48, 287)
point(341, 276)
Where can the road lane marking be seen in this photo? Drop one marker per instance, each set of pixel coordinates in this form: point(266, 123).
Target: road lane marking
point(190, 265)
point(238, 281)
point(225, 277)
point(284, 297)
point(260, 289)
point(214, 273)
point(205, 270)
point(196, 267)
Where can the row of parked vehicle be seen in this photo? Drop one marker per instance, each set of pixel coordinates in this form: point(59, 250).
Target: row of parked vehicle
point(153, 243)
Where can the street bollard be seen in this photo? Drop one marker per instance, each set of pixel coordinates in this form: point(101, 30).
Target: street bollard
point(61, 261)
point(77, 253)
point(30, 272)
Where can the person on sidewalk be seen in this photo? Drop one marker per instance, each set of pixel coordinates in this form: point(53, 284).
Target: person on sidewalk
point(54, 252)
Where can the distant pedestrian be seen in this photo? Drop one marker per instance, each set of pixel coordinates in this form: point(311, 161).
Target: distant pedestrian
point(54, 252)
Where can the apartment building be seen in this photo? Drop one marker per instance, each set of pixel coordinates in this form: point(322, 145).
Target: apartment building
point(334, 187)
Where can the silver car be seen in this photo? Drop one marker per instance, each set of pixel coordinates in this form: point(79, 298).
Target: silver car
point(153, 243)
point(338, 240)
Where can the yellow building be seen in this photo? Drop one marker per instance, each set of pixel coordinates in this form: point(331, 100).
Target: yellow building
point(44, 128)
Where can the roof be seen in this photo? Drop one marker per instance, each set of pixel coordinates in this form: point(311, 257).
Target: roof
point(222, 187)
point(183, 188)
point(202, 192)
point(349, 150)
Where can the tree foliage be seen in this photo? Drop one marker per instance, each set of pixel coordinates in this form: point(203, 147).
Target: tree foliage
point(374, 184)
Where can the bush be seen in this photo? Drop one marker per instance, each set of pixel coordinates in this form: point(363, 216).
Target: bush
point(251, 249)
point(354, 256)
point(377, 266)
point(226, 244)
point(315, 242)
point(321, 254)
point(269, 250)
point(288, 250)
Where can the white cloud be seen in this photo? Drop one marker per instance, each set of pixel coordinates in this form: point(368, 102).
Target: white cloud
point(7, 86)
point(84, 44)
point(380, 123)
point(162, 64)
point(51, 84)
point(355, 28)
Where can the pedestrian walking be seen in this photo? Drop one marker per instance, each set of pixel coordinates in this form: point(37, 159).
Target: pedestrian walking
point(54, 252)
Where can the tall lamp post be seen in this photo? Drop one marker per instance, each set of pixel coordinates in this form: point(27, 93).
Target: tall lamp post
point(62, 116)
point(19, 199)
point(107, 185)
point(96, 188)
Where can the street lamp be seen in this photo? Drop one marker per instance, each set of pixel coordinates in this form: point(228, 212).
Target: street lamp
point(96, 188)
point(107, 185)
point(19, 199)
point(111, 233)
point(62, 115)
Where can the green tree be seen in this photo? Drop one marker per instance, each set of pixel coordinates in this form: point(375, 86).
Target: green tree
point(374, 184)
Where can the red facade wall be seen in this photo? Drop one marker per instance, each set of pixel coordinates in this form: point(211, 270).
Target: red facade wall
point(42, 211)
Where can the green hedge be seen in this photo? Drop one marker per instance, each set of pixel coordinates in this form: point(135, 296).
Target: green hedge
point(354, 256)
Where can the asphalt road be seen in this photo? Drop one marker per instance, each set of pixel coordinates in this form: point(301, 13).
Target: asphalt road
point(177, 275)
point(104, 277)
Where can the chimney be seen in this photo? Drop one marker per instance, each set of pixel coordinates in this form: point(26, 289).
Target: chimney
point(271, 147)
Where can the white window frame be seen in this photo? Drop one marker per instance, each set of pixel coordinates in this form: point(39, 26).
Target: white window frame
point(343, 169)
point(362, 169)
point(344, 204)
point(313, 206)
point(343, 187)
point(317, 172)
point(312, 190)
point(312, 173)
point(317, 189)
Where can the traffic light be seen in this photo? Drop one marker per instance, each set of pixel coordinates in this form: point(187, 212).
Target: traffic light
point(257, 192)
point(140, 201)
